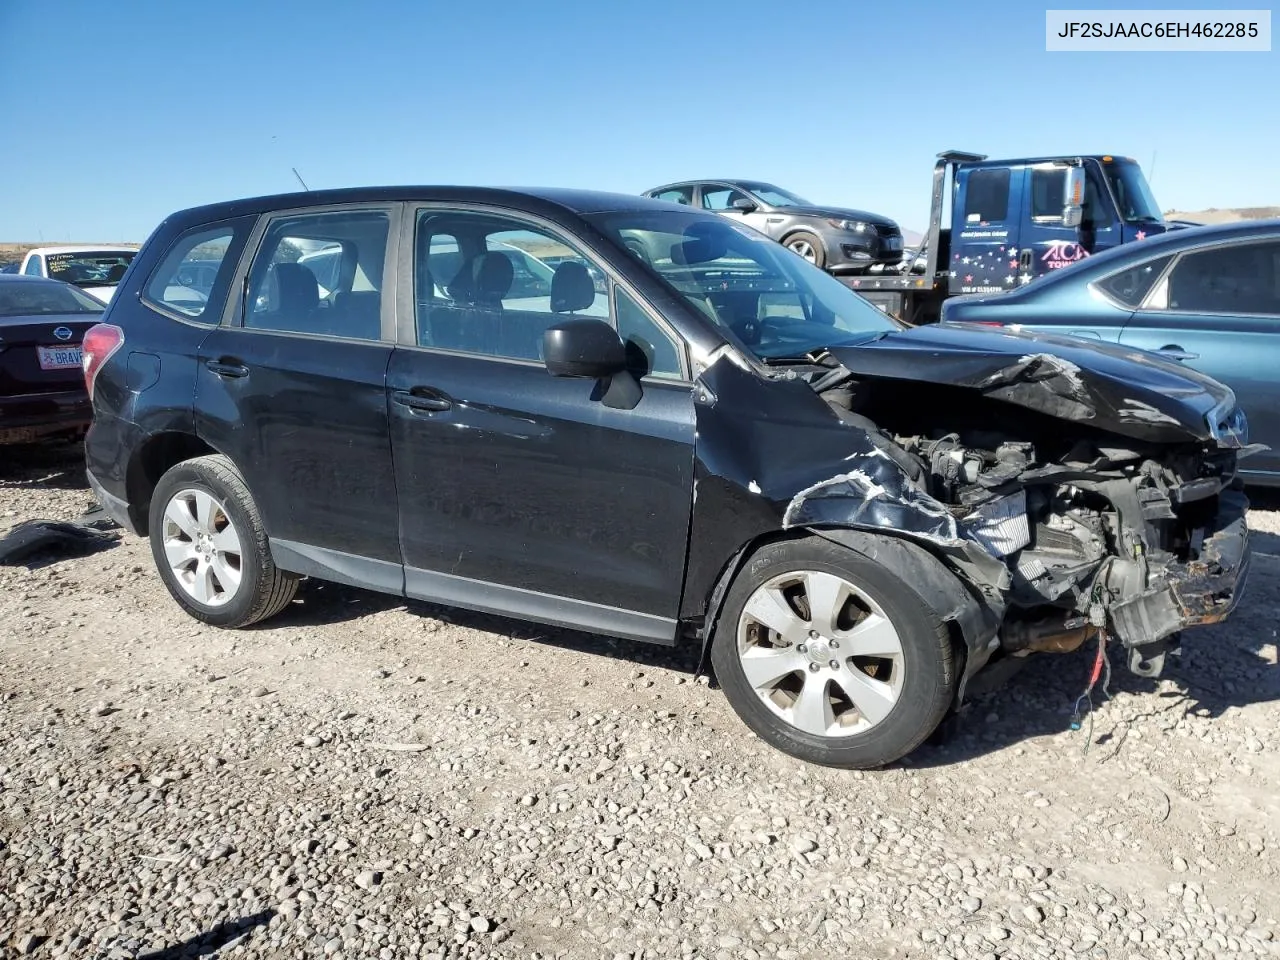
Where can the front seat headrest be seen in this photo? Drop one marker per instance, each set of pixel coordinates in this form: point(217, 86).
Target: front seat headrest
point(572, 288)
point(491, 276)
point(298, 286)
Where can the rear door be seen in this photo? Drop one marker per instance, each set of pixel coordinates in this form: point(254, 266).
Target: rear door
point(294, 391)
point(984, 239)
point(1218, 310)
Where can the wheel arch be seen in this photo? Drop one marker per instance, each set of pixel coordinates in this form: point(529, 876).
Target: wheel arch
point(157, 454)
point(973, 624)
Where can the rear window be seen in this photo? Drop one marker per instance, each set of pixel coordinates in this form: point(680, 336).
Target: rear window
point(192, 278)
point(33, 299)
point(986, 197)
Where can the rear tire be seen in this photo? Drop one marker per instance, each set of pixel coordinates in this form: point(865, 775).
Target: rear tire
point(211, 548)
point(849, 667)
point(808, 246)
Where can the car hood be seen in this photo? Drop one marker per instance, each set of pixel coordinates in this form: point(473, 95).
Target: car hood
point(839, 213)
point(1127, 392)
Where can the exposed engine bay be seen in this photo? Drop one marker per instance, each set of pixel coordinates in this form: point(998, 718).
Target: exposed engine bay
point(1063, 528)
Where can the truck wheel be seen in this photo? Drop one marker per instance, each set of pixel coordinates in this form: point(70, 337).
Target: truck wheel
point(830, 658)
point(210, 546)
point(808, 246)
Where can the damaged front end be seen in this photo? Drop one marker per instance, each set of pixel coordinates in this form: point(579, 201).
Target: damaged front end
point(1066, 503)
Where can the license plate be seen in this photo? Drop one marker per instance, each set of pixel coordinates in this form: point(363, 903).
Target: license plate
point(893, 243)
point(58, 358)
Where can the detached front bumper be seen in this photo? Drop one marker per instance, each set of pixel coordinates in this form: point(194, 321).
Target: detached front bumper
point(1192, 594)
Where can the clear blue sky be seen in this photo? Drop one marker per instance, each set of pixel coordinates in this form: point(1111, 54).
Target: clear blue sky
point(120, 113)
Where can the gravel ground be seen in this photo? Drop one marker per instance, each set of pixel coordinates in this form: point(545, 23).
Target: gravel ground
point(365, 778)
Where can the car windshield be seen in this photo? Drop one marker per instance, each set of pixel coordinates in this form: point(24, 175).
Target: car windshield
point(1133, 195)
point(32, 298)
point(776, 196)
point(771, 300)
point(101, 268)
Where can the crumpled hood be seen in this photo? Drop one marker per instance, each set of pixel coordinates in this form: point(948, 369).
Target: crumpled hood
point(1129, 392)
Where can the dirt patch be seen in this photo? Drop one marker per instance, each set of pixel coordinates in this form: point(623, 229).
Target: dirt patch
point(368, 778)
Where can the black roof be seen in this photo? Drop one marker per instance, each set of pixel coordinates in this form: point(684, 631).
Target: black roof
point(532, 198)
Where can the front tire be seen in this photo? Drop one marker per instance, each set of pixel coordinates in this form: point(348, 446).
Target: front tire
point(210, 546)
point(809, 247)
point(830, 658)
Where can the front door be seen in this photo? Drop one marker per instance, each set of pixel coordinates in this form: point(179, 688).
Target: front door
point(522, 493)
point(1050, 243)
point(1218, 310)
point(295, 395)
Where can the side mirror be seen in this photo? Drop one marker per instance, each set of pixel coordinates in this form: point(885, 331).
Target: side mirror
point(583, 347)
point(1073, 197)
point(744, 205)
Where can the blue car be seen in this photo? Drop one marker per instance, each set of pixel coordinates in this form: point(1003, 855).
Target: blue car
point(1206, 296)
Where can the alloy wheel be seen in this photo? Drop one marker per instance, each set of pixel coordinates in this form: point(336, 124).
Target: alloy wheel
point(202, 547)
point(820, 653)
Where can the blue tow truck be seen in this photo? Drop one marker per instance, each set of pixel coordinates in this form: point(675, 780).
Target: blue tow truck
point(995, 225)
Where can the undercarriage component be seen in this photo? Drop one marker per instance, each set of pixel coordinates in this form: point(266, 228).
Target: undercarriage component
point(1148, 659)
point(1060, 635)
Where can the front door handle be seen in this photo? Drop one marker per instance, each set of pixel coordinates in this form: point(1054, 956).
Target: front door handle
point(227, 368)
point(1177, 353)
point(419, 399)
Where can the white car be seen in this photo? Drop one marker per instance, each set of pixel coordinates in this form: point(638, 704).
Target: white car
point(94, 269)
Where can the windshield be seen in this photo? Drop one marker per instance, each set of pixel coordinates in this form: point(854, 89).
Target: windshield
point(776, 196)
point(32, 298)
point(89, 269)
point(1133, 195)
point(773, 301)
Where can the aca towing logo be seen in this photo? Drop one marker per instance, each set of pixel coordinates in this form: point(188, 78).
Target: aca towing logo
point(1062, 253)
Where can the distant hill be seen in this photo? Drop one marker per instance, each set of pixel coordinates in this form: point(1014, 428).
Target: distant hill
point(1224, 215)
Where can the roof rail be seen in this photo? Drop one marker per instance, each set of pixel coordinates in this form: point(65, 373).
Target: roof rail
point(959, 156)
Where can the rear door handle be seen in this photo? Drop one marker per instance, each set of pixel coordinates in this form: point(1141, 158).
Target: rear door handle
point(227, 368)
point(1024, 260)
point(1177, 353)
point(422, 398)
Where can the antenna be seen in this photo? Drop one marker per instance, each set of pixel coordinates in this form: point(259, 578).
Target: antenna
point(1151, 174)
point(300, 180)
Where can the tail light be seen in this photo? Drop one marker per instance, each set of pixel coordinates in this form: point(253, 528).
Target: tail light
point(100, 342)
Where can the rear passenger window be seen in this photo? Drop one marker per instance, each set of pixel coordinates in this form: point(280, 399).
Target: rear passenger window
point(986, 197)
point(491, 285)
point(1131, 285)
point(676, 195)
point(320, 274)
point(185, 280)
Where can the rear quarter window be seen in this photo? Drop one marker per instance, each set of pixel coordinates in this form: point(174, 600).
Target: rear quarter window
point(191, 280)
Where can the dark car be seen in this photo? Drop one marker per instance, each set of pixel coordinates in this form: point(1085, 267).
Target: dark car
point(1208, 297)
point(837, 239)
point(727, 447)
point(42, 391)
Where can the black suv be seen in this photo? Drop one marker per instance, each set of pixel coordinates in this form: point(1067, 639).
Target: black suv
point(718, 444)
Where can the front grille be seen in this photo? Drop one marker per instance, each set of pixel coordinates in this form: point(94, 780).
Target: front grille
point(887, 230)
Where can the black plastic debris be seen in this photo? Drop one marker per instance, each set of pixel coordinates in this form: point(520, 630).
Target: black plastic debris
point(89, 533)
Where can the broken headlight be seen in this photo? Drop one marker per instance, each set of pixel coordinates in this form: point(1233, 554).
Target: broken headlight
point(1000, 525)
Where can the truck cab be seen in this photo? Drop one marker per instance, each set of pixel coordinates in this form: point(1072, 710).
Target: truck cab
point(996, 225)
point(1013, 220)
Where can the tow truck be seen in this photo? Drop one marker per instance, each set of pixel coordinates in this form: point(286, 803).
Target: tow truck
point(995, 225)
